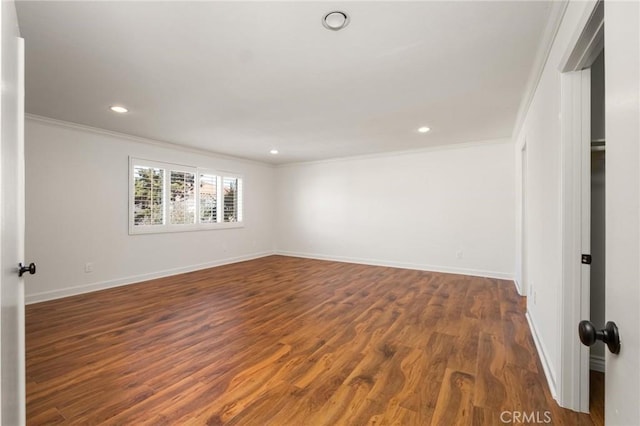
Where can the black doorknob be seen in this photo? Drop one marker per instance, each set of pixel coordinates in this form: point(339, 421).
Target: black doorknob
point(30, 269)
point(610, 335)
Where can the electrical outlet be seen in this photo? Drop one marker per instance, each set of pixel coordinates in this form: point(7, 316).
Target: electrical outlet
point(88, 267)
point(459, 254)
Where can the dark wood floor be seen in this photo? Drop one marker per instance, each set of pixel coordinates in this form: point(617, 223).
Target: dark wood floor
point(596, 397)
point(288, 341)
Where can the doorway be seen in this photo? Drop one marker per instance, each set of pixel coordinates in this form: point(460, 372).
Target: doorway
point(598, 231)
point(577, 67)
point(622, 60)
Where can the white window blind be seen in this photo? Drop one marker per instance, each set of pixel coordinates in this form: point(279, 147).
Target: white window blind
point(168, 197)
point(182, 205)
point(208, 198)
point(232, 187)
point(148, 201)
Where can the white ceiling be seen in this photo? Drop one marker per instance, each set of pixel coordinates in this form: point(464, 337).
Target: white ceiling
point(240, 78)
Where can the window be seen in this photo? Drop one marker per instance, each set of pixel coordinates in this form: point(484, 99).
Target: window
point(182, 205)
point(208, 198)
point(232, 187)
point(149, 196)
point(168, 197)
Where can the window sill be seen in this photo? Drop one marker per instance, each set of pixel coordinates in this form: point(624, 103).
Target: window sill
point(167, 229)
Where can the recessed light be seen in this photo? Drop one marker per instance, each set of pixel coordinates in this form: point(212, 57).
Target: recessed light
point(423, 129)
point(273, 152)
point(335, 21)
point(119, 109)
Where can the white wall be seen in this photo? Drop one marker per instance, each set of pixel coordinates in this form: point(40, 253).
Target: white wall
point(77, 212)
point(415, 210)
point(446, 202)
point(542, 131)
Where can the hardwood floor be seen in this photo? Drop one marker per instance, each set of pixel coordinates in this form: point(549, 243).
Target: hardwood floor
point(596, 397)
point(288, 341)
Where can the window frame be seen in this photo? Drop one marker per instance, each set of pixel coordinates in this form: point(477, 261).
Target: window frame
point(240, 190)
point(167, 199)
point(167, 226)
point(147, 164)
point(215, 173)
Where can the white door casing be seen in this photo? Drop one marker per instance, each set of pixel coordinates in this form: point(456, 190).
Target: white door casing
point(622, 106)
point(586, 44)
point(524, 287)
point(12, 370)
point(573, 389)
point(584, 151)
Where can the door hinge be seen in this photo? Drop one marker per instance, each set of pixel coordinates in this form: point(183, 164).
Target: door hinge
point(586, 259)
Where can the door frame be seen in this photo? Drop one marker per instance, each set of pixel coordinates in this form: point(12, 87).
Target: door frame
point(522, 281)
point(586, 44)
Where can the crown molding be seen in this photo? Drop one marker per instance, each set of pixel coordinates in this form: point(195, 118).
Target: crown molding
point(443, 147)
point(558, 9)
point(138, 139)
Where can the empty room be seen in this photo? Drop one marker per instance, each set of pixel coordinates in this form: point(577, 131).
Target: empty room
point(320, 213)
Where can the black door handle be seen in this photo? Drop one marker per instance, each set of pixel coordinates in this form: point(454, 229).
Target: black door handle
point(30, 269)
point(610, 335)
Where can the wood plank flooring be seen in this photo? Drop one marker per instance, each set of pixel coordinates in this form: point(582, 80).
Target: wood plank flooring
point(288, 341)
point(596, 397)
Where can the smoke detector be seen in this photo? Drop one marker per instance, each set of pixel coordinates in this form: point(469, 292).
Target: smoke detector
point(335, 21)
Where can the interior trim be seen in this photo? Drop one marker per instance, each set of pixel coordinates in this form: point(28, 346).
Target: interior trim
point(102, 285)
point(404, 265)
point(544, 360)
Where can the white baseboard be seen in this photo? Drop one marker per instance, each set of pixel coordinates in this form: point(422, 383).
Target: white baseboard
point(518, 287)
point(87, 288)
point(544, 359)
point(102, 285)
point(404, 265)
point(597, 363)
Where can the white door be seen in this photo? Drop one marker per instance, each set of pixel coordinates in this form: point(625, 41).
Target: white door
point(622, 76)
point(12, 396)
